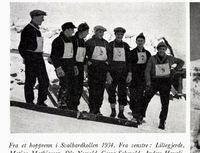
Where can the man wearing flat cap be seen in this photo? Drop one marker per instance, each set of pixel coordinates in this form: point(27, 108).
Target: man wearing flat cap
point(83, 30)
point(63, 59)
point(97, 53)
point(100, 28)
point(37, 13)
point(119, 71)
point(31, 49)
point(139, 59)
point(158, 78)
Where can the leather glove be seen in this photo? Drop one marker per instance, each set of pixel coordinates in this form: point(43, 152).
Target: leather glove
point(60, 72)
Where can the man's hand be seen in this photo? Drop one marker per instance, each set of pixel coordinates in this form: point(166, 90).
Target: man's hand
point(109, 78)
point(76, 71)
point(129, 77)
point(147, 89)
point(60, 72)
point(148, 84)
point(89, 63)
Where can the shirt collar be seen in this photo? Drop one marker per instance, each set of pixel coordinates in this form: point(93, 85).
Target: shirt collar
point(34, 24)
point(143, 50)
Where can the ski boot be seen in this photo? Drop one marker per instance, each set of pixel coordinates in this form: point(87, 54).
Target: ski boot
point(121, 116)
point(42, 104)
point(162, 125)
point(121, 112)
point(98, 113)
point(139, 120)
point(62, 105)
point(113, 111)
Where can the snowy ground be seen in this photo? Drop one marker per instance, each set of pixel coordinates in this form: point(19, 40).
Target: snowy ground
point(27, 121)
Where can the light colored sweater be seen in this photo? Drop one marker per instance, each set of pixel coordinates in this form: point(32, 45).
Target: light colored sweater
point(150, 72)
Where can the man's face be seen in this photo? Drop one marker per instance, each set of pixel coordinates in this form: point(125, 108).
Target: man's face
point(69, 32)
point(119, 36)
point(85, 33)
point(161, 51)
point(99, 34)
point(140, 42)
point(38, 19)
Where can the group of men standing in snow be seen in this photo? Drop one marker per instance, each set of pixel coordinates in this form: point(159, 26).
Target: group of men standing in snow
point(111, 65)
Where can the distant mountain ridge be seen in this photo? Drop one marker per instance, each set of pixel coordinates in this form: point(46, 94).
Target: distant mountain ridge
point(195, 63)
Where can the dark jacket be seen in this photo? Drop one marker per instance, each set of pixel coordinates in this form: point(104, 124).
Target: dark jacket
point(90, 45)
point(79, 43)
point(29, 40)
point(119, 64)
point(57, 51)
point(138, 69)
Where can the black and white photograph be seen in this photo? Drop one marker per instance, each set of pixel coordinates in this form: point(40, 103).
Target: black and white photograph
point(195, 76)
point(100, 67)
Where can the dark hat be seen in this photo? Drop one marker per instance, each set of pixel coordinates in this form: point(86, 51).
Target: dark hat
point(99, 27)
point(37, 13)
point(68, 25)
point(119, 29)
point(161, 44)
point(83, 27)
point(141, 35)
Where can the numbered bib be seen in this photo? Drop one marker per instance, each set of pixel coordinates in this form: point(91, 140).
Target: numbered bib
point(80, 55)
point(162, 70)
point(40, 43)
point(68, 50)
point(118, 54)
point(99, 53)
point(142, 57)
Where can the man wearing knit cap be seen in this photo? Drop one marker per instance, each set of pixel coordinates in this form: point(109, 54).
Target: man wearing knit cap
point(119, 72)
point(97, 53)
point(158, 78)
point(139, 59)
point(31, 50)
point(63, 59)
point(83, 30)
